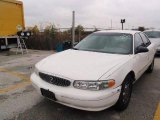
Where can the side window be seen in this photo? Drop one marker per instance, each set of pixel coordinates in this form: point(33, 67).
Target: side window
point(138, 41)
point(145, 39)
point(149, 42)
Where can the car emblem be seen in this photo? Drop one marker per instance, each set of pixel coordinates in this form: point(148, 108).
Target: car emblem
point(51, 79)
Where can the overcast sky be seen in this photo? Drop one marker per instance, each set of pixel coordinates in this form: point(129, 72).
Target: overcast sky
point(90, 13)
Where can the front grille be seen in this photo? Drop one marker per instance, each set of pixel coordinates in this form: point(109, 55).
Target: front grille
point(55, 80)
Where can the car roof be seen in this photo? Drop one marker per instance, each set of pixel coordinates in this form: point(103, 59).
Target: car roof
point(152, 31)
point(119, 31)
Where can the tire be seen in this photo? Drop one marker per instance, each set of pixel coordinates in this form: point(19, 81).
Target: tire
point(125, 94)
point(150, 68)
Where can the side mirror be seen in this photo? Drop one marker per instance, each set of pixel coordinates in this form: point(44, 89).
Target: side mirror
point(141, 49)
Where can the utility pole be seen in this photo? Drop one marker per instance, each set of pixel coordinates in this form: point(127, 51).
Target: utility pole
point(123, 21)
point(73, 28)
point(79, 35)
point(111, 23)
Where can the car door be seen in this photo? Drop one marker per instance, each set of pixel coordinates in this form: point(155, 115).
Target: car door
point(149, 46)
point(140, 59)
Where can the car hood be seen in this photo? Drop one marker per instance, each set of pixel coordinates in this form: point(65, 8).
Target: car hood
point(80, 65)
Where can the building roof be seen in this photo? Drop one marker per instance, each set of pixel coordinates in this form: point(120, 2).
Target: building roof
point(13, 1)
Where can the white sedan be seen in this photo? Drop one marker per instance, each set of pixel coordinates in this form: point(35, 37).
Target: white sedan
point(98, 72)
point(154, 36)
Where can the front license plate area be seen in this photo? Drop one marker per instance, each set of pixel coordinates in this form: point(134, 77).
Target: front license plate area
point(48, 94)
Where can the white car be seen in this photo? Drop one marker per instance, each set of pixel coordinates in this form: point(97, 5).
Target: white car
point(154, 36)
point(98, 72)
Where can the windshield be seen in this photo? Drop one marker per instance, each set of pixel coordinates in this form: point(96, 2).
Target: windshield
point(153, 34)
point(116, 43)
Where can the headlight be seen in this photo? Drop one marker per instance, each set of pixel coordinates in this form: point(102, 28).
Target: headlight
point(94, 85)
point(36, 71)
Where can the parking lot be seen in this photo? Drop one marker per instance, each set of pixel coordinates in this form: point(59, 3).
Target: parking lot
point(20, 101)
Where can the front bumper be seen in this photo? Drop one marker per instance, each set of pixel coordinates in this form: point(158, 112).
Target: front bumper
point(80, 99)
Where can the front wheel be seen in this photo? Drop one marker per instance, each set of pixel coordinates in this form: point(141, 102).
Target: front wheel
point(125, 94)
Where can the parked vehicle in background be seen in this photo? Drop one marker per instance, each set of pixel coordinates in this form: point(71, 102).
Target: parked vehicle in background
point(11, 20)
point(154, 36)
point(98, 72)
